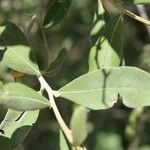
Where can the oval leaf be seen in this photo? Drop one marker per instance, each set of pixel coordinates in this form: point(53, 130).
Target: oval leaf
point(20, 97)
point(56, 12)
point(79, 125)
point(16, 125)
point(106, 35)
point(17, 52)
point(100, 89)
point(56, 65)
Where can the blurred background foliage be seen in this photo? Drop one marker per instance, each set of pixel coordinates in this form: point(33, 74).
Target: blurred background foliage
point(117, 128)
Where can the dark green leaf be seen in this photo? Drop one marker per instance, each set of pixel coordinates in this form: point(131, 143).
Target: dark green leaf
point(56, 65)
point(17, 52)
point(56, 12)
point(100, 89)
point(16, 125)
point(5, 143)
point(20, 97)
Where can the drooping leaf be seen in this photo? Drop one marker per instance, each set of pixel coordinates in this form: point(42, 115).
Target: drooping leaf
point(16, 126)
point(56, 65)
point(137, 1)
point(79, 125)
point(20, 97)
point(100, 89)
point(107, 40)
point(63, 142)
point(17, 52)
point(56, 12)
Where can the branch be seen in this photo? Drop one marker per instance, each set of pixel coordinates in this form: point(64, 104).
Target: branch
point(131, 15)
point(134, 16)
point(58, 116)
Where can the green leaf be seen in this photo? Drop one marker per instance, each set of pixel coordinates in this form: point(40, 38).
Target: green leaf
point(145, 147)
point(56, 65)
point(108, 141)
point(20, 97)
point(56, 12)
point(16, 125)
point(79, 125)
point(133, 122)
point(63, 142)
point(100, 89)
point(5, 143)
point(106, 35)
point(137, 1)
point(1, 85)
point(17, 52)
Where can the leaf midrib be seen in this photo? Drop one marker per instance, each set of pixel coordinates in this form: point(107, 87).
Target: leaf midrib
point(101, 89)
point(25, 61)
point(109, 45)
point(9, 96)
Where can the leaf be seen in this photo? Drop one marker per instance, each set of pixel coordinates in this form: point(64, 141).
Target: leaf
point(16, 125)
point(108, 141)
point(5, 143)
point(63, 142)
point(56, 12)
point(79, 125)
point(131, 128)
point(100, 89)
point(20, 97)
point(137, 1)
point(17, 52)
point(144, 147)
point(107, 39)
point(56, 65)
point(1, 85)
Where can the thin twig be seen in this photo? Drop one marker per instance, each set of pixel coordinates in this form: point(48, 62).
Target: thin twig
point(44, 84)
point(136, 17)
point(61, 122)
point(132, 15)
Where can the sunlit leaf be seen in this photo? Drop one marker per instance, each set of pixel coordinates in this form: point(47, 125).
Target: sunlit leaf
point(16, 125)
point(17, 52)
point(79, 125)
point(20, 97)
point(106, 35)
point(100, 89)
point(63, 142)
